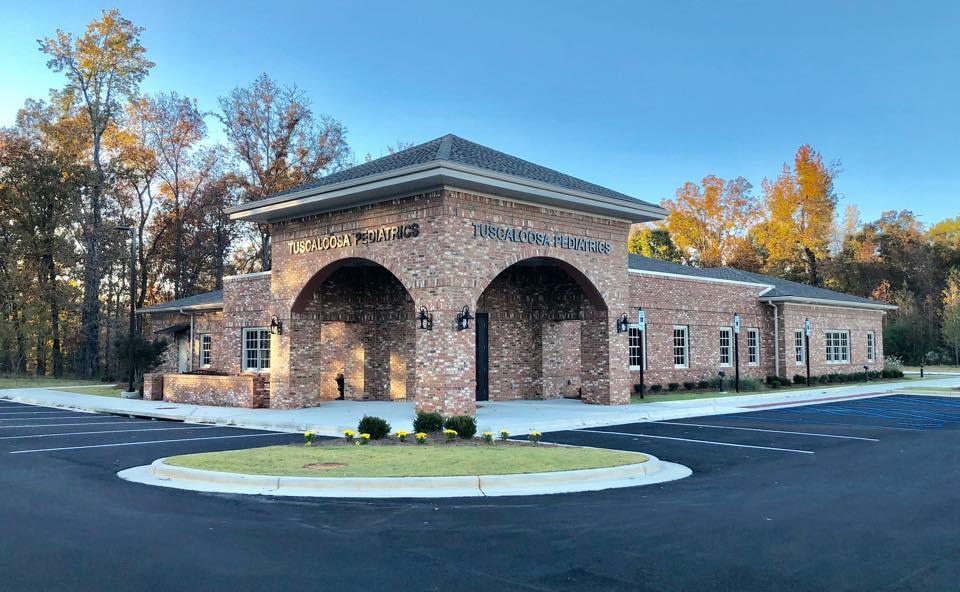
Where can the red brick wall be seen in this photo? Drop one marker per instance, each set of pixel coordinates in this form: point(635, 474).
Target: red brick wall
point(823, 318)
point(221, 391)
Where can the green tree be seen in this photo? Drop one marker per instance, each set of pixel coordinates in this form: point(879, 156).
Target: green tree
point(654, 243)
point(103, 66)
point(951, 313)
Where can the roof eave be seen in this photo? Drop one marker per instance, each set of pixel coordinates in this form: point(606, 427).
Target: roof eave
point(438, 173)
point(193, 308)
point(830, 302)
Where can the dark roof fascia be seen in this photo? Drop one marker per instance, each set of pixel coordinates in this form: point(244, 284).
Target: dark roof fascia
point(830, 302)
point(432, 174)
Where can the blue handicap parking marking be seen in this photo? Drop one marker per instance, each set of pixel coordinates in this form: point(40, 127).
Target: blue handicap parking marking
point(904, 411)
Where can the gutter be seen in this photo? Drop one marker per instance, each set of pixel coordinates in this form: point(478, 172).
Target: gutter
point(776, 339)
point(829, 302)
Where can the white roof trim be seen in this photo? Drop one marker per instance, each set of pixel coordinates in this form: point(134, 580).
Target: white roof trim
point(243, 276)
point(441, 173)
point(829, 302)
point(193, 308)
point(697, 278)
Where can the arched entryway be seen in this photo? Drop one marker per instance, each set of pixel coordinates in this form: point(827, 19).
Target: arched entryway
point(353, 335)
point(541, 334)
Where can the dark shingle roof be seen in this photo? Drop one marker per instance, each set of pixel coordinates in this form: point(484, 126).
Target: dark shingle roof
point(206, 300)
point(454, 149)
point(780, 288)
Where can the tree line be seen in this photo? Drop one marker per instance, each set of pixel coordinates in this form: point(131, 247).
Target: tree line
point(792, 229)
point(98, 154)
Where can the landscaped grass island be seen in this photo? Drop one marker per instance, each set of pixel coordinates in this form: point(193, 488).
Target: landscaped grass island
point(410, 460)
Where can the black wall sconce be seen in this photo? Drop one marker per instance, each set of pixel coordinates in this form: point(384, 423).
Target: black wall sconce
point(276, 326)
point(426, 319)
point(622, 323)
point(464, 318)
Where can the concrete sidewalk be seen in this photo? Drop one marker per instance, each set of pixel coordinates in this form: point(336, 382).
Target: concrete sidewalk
point(517, 417)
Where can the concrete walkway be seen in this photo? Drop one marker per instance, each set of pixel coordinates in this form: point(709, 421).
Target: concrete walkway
point(517, 417)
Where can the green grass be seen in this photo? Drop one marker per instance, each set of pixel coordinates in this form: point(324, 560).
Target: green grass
point(102, 390)
point(9, 382)
point(405, 460)
point(932, 369)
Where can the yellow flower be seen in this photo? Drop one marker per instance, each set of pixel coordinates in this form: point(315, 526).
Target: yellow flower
point(365, 436)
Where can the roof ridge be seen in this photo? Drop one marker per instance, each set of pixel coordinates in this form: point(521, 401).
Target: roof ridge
point(446, 143)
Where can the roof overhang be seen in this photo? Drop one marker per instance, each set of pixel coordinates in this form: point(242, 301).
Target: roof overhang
point(160, 308)
point(828, 302)
point(173, 329)
point(430, 175)
point(700, 278)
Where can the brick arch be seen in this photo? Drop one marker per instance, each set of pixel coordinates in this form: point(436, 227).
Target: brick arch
point(302, 299)
point(588, 287)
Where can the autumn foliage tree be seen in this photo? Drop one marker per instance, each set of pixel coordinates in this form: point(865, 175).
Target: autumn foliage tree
point(707, 220)
point(799, 210)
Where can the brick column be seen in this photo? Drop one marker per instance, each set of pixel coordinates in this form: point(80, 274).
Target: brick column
point(445, 375)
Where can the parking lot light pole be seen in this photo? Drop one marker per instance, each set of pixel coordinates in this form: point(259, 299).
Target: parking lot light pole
point(807, 328)
point(736, 352)
point(133, 298)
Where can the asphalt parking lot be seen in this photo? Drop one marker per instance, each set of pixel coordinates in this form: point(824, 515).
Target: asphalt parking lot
point(851, 495)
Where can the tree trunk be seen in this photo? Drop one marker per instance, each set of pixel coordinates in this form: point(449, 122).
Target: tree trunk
point(812, 268)
point(92, 275)
point(48, 283)
point(178, 250)
point(20, 364)
point(40, 369)
point(264, 246)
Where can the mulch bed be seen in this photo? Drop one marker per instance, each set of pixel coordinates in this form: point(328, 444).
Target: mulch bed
point(437, 439)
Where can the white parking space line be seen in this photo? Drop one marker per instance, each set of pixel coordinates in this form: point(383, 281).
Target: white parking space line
point(723, 427)
point(145, 443)
point(45, 418)
point(57, 425)
point(711, 442)
point(103, 432)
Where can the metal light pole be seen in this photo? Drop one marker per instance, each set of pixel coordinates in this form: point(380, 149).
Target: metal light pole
point(736, 350)
point(807, 329)
point(133, 300)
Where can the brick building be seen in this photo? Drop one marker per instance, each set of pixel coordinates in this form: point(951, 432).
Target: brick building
point(450, 273)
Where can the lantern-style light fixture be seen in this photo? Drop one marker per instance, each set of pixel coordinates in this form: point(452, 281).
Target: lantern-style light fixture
point(463, 318)
point(426, 319)
point(622, 323)
point(276, 325)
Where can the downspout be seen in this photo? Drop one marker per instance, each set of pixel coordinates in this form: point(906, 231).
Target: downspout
point(190, 369)
point(776, 339)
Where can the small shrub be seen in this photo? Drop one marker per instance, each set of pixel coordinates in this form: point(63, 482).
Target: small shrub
point(823, 378)
point(488, 437)
point(750, 384)
point(450, 434)
point(892, 362)
point(703, 384)
point(772, 385)
point(402, 435)
point(428, 421)
point(309, 438)
point(714, 382)
point(799, 379)
point(655, 388)
point(364, 438)
point(535, 437)
point(784, 381)
point(636, 389)
point(772, 379)
point(504, 434)
point(689, 385)
point(464, 425)
point(348, 435)
point(420, 437)
point(376, 427)
point(673, 386)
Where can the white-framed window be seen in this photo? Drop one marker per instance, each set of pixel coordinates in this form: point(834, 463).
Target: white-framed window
point(838, 347)
point(871, 346)
point(726, 346)
point(256, 349)
point(798, 347)
point(681, 346)
point(206, 350)
point(638, 347)
point(753, 347)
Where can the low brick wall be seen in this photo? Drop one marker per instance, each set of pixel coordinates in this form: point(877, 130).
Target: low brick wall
point(244, 390)
point(153, 387)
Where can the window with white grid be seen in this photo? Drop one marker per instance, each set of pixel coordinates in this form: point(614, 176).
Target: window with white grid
point(753, 347)
point(838, 347)
point(637, 347)
point(681, 346)
point(256, 349)
point(871, 347)
point(726, 346)
point(206, 350)
point(798, 347)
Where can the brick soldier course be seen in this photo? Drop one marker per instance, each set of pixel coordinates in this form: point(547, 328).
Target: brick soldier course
point(537, 257)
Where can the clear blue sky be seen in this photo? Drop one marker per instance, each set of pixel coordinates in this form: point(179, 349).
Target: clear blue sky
point(637, 96)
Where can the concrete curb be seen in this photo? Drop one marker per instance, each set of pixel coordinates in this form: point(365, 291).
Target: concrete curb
point(652, 471)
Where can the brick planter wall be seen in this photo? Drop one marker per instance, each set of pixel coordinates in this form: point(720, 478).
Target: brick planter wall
point(220, 391)
point(153, 387)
